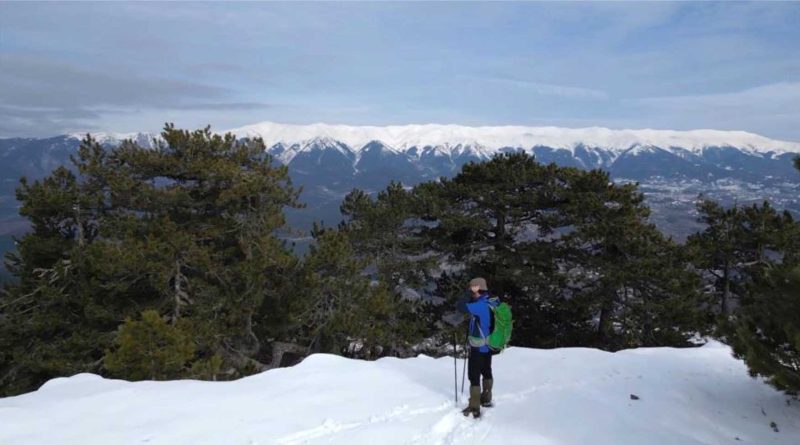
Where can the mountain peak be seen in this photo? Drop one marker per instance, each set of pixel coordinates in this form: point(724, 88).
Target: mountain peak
point(493, 138)
point(143, 139)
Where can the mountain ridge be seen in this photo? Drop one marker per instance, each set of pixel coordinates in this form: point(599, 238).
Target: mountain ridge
point(328, 167)
point(401, 138)
point(494, 138)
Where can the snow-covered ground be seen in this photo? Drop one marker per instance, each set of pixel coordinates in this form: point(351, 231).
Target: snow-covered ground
point(563, 396)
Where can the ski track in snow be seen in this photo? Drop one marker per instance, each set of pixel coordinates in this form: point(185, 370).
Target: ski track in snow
point(330, 427)
point(455, 428)
point(327, 428)
point(451, 428)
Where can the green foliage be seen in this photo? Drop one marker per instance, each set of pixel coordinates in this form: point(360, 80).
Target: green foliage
point(164, 263)
point(570, 251)
point(737, 244)
point(749, 256)
point(50, 322)
point(149, 348)
point(346, 311)
point(208, 368)
point(382, 232)
point(766, 330)
point(624, 270)
point(186, 229)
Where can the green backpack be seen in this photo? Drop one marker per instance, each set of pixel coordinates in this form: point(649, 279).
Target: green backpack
point(502, 324)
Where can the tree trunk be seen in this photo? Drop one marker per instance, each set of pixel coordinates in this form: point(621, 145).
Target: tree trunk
point(280, 348)
point(500, 232)
point(606, 309)
point(239, 360)
point(181, 296)
point(726, 290)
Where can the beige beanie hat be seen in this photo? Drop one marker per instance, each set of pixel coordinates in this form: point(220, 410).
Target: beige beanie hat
point(480, 282)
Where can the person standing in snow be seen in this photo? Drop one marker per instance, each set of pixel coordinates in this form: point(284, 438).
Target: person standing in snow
point(477, 307)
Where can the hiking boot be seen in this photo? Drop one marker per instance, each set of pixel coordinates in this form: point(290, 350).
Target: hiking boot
point(486, 395)
point(474, 406)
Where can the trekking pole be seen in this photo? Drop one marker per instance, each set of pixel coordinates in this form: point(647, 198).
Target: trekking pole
point(455, 367)
point(466, 353)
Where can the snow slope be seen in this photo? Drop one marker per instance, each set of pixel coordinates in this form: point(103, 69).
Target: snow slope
point(486, 140)
point(147, 140)
point(494, 138)
point(544, 397)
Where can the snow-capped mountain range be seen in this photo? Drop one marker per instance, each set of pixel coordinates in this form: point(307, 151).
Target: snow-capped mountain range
point(367, 156)
point(330, 160)
point(490, 140)
point(287, 140)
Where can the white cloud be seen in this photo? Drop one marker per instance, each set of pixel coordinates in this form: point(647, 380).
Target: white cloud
point(549, 89)
point(775, 98)
point(772, 110)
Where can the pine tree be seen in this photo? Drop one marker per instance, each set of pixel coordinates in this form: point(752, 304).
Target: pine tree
point(187, 229)
point(565, 247)
point(766, 330)
point(347, 312)
point(497, 219)
point(382, 232)
point(718, 252)
point(150, 348)
point(737, 244)
point(51, 323)
point(385, 234)
point(625, 270)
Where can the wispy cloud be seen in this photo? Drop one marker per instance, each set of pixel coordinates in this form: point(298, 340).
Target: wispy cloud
point(549, 89)
point(34, 82)
point(45, 96)
point(133, 65)
point(778, 97)
point(223, 106)
point(774, 108)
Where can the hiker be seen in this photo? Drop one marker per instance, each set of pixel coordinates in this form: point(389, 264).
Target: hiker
point(477, 306)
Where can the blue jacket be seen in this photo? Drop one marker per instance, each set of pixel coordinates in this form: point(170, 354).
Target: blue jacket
point(481, 316)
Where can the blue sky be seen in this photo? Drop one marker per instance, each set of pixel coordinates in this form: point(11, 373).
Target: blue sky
point(133, 66)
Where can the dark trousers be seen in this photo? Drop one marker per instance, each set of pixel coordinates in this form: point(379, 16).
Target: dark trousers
point(480, 364)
